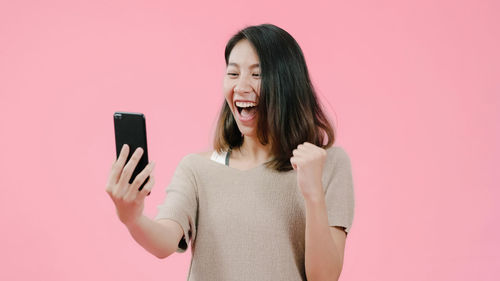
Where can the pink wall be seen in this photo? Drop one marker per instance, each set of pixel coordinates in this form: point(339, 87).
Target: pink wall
point(413, 89)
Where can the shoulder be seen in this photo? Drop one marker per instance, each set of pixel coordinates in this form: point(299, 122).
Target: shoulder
point(338, 168)
point(205, 154)
point(191, 163)
point(337, 157)
point(193, 158)
point(337, 154)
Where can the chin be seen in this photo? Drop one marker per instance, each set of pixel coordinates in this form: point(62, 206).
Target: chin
point(248, 132)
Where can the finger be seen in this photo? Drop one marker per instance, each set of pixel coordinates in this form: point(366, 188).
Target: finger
point(140, 178)
point(138, 195)
point(123, 183)
point(117, 167)
point(129, 168)
point(146, 190)
point(123, 155)
point(298, 152)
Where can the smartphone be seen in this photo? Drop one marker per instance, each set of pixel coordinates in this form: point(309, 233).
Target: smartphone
point(130, 128)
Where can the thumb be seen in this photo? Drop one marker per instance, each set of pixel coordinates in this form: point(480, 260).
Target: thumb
point(292, 161)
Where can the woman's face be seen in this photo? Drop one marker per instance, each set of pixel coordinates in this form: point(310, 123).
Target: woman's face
point(242, 86)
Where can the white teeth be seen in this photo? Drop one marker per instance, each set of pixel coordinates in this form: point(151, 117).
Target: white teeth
point(245, 104)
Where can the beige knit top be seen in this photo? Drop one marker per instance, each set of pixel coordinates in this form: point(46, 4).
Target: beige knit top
point(250, 225)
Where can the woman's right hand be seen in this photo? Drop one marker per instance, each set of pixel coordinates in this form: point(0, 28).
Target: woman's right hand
point(129, 201)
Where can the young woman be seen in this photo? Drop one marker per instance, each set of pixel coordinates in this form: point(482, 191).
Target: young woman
point(274, 200)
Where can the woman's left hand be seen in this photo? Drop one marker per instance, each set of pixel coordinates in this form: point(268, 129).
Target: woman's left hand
point(308, 160)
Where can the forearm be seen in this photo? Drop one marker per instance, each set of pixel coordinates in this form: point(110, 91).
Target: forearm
point(156, 238)
point(321, 256)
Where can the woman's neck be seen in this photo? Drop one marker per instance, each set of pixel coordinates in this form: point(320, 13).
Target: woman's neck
point(252, 151)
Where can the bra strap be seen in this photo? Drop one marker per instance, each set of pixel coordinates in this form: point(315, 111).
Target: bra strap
point(227, 157)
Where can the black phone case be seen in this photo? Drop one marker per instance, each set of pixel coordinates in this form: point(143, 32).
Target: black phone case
point(130, 128)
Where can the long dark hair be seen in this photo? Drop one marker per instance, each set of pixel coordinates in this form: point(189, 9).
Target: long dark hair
point(288, 109)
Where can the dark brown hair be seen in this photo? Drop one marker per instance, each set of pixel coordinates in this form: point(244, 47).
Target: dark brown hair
point(288, 108)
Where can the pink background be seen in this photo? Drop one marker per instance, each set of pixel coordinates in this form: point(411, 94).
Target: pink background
point(412, 86)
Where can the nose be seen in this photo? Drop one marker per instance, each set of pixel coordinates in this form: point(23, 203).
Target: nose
point(242, 85)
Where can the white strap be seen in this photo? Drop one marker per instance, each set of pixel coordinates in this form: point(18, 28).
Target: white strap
point(219, 158)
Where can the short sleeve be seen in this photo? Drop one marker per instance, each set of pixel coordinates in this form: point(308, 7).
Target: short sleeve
point(181, 202)
point(339, 193)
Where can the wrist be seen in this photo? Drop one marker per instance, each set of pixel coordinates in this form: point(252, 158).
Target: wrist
point(313, 194)
point(315, 199)
point(134, 223)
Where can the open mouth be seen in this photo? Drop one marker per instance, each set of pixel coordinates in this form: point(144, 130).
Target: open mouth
point(246, 109)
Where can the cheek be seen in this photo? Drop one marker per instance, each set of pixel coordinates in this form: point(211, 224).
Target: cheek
point(227, 88)
point(257, 87)
point(228, 96)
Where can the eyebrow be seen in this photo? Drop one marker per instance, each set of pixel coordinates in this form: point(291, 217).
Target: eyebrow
point(235, 64)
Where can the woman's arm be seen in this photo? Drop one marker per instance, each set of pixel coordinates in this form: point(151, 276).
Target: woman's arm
point(324, 245)
point(160, 237)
